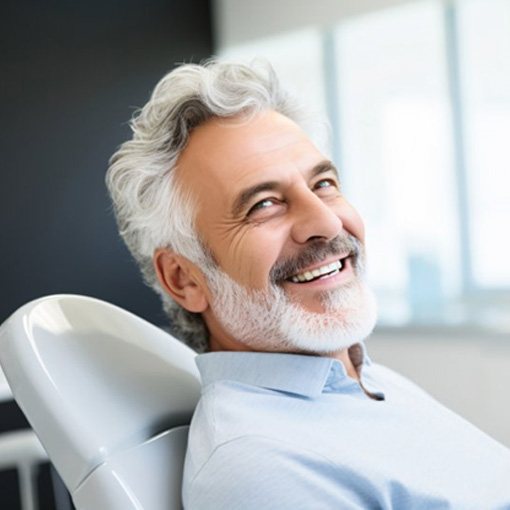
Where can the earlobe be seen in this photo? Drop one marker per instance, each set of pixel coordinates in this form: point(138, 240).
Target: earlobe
point(180, 278)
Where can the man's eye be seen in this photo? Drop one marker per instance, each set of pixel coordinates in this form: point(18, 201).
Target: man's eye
point(325, 183)
point(263, 204)
point(326, 187)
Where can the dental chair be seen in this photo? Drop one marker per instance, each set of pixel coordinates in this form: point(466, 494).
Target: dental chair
point(109, 395)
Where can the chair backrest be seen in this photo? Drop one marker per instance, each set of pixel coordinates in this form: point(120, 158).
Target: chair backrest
point(104, 391)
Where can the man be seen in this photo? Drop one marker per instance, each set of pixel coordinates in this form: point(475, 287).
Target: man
point(238, 220)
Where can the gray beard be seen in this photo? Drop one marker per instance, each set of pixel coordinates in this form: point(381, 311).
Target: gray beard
point(270, 321)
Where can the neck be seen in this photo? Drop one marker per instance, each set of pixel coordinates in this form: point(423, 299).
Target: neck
point(344, 357)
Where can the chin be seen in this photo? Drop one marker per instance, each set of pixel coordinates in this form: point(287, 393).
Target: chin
point(339, 326)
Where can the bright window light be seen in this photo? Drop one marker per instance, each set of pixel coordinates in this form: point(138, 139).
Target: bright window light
point(484, 44)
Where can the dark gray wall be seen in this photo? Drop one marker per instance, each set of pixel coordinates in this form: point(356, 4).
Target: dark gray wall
point(72, 74)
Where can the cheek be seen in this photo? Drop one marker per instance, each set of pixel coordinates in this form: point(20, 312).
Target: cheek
point(262, 248)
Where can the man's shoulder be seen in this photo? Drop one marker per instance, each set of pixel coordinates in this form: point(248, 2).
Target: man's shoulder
point(224, 412)
point(255, 471)
point(228, 408)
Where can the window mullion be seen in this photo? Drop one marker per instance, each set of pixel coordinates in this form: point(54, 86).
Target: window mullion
point(458, 136)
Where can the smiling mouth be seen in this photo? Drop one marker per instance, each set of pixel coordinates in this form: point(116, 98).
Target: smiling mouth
point(324, 271)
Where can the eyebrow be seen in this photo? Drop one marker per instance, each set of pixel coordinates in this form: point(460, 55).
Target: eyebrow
point(246, 195)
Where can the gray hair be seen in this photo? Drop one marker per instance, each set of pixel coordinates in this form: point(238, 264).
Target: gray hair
point(151, 208)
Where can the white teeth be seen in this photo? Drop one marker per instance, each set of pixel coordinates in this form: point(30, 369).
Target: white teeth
point(315, 273)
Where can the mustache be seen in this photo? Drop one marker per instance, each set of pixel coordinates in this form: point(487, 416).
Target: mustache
point(317, 251)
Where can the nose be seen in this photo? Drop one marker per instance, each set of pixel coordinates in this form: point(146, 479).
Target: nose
point(314, 219)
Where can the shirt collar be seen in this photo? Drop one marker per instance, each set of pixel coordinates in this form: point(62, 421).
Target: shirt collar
point(292, 373)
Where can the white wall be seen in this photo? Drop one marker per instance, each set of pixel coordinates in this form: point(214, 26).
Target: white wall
point(238, 21)
point(468, 371)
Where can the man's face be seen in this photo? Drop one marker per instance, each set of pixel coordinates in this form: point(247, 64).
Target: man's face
point(272, 214)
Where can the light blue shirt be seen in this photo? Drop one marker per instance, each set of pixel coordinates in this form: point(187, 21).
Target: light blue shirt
point(288, 431)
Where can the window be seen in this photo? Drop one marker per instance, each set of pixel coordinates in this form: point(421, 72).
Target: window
point(484, 51)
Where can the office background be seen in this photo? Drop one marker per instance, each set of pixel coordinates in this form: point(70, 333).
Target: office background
point(417, 93)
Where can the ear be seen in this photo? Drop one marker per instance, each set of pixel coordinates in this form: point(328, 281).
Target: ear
point(181, 279)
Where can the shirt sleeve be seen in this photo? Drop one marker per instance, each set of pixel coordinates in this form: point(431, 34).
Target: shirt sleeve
point(257, 473)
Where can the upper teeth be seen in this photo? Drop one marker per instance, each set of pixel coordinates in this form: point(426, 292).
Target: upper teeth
point(310, 275)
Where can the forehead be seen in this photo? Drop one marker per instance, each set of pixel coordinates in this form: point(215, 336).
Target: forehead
point(225, 155)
